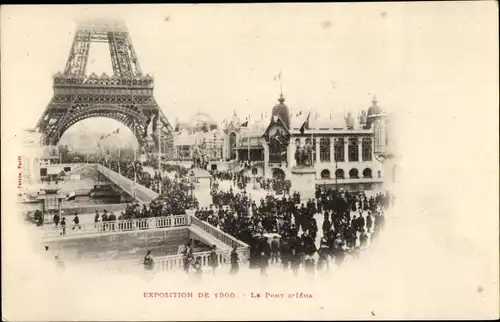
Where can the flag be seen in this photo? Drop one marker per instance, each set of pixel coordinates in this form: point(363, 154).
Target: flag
point(149, 126)
point(299, 114)
point(156, 123)
point(277, 77)
point(102, 137)
point(305, 124)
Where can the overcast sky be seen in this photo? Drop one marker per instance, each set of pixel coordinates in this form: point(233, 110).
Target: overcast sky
point(219, 59)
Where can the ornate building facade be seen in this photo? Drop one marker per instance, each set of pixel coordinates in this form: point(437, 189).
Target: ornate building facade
point(352, 153)
point(347, 154)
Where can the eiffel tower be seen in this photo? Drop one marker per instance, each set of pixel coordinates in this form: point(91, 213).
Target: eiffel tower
point(126, 96)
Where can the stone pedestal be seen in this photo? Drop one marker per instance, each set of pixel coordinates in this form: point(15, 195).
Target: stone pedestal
point(303, 181)
point(202, 191)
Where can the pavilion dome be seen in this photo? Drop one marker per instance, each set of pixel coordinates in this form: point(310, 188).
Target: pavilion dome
point(374, 109)
point(281, 110)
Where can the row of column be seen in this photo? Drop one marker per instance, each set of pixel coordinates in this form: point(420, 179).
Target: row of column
point(332, 148)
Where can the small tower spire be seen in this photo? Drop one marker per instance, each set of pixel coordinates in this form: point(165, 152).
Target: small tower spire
point(281, 82)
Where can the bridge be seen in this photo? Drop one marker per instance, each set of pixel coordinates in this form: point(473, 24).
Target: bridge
point(134, 189)
point(141, 193)
point(200, 230)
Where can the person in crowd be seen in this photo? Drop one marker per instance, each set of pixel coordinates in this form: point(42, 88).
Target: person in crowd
point(264, 263)
point(96, 218)
point(63, 226)
point(187, 257)
point(148, 261)
point(235, 258)
point(363, 239)
point(323, 255)
point(76, 222)
point(56, 219)
point(275, 249)
point(369, 222)
point(285, 254)
point(214, 262)
point(198, 270)
point(295, 263)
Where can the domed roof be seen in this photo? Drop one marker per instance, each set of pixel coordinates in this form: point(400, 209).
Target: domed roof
point(281, 110)
point(374, 109)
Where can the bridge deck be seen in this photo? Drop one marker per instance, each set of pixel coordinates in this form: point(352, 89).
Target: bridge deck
point(140, 192)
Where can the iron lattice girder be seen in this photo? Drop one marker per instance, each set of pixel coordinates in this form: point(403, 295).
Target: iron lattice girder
point(126, 96)
point(123, 57)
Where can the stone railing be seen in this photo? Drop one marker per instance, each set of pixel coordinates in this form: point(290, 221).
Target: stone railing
point(165, 263)
point(175, 262)
point(116, 226)
point(242, 248)
point(141, 193)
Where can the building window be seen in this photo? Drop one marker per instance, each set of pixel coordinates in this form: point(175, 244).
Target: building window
point(274, 148)
point(297, 142)
point(338, 149)
point(367, 173)
point(339, 174)
point(354, 173)
point(314, 150)
point(353, 150)
point(325, 174)
point(254, 171)
point(366, 147)
point(324, 150)
point(379, 174)
point(377, 138)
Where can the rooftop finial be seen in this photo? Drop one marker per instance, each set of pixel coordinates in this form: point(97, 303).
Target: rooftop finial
point(374, 100)
point(281, 99)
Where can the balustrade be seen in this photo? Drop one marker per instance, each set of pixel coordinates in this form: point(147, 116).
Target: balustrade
point(165, 263)
point(217, 233)
point(117, 226)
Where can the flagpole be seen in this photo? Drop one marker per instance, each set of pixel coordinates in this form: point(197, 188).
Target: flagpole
point(312, 142)
point(281, 82)
point(248, 146)
point(133, 163)
point(159, 151)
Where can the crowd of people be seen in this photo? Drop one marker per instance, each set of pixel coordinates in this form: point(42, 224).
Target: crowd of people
point(241, 180)
point(278, 228)
point(281, 229)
